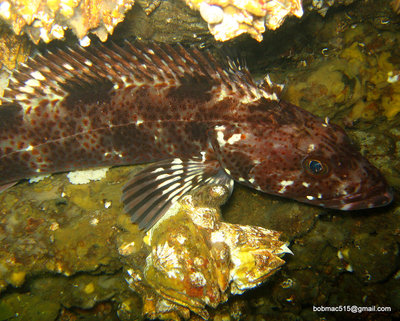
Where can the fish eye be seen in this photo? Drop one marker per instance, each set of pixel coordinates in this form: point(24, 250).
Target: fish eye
point(315, 167)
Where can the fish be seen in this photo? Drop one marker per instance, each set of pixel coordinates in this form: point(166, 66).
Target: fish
point(197, 119)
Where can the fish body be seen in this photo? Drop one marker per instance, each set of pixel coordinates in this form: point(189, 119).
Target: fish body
point(200, 121)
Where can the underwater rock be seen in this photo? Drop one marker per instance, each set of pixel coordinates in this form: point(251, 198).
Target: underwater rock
point(25, 306)
point(14, 49)
point(56, 227)
point(358, 70)
point(322, 6)
point(193, 260)
point(66, 238)
point(229, 19)
point(372, 258)
point(82, 290)
point(173, 21)
point(48, 20)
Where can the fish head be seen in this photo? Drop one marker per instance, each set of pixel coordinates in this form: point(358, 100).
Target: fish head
point(302, 157)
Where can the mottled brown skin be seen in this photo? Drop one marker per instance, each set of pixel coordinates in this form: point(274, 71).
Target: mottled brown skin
point(281, 141)
point(100, 107)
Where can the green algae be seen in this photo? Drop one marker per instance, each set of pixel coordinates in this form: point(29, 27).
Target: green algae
point(26, 307)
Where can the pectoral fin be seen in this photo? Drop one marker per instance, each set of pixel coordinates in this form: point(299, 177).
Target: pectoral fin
point(151, 192)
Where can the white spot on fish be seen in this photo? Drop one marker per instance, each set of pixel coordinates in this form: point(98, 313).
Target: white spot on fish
point(27, 149)
point(220, 138)
point(139, 121)
point(284, 185)
point(311, 148)
point(309, 197)
point(228, 171)
point(234, 138)
point(252, 180)
point(305, 184)
point(319, 195)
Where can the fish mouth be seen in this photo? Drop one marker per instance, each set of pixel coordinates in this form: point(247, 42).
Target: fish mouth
point(375, 197)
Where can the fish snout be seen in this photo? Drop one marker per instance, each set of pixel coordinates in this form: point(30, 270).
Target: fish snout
point(376, 196)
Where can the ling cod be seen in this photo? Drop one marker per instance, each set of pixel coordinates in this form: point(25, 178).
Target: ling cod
point(200, 121)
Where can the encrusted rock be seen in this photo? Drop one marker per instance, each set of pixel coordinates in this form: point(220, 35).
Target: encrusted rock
point(230, 18)
point(48, 20)
point(193, 260)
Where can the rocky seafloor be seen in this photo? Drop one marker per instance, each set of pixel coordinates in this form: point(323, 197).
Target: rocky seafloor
point(63, 247)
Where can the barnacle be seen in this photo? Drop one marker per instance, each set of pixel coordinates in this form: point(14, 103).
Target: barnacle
point(229, 18)
point(322, 6)
point(48, 19)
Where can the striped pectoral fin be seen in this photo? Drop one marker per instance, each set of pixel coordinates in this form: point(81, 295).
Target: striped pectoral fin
point(151, 192)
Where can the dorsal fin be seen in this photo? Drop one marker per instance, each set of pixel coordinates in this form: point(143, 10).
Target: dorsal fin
point(271, 88)
point(55, 75)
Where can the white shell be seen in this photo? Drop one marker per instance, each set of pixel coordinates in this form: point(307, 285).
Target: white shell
point(211, 13)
